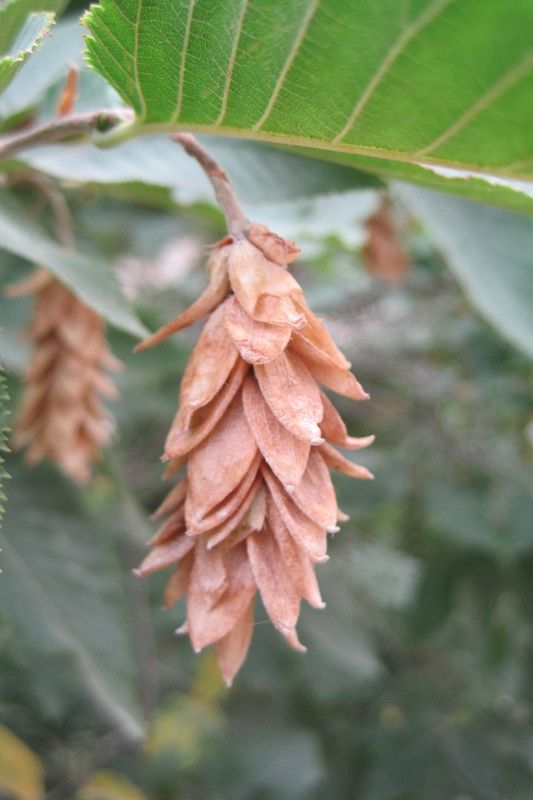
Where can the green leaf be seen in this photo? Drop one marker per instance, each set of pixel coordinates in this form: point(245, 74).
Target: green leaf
point(105, 785)
point(259, 173)
point(489, 251)
point(25, 43)
point(49, 64)
point(21, 771)
point(181, 728)
point(23, 24)
point(14, 13)
point(90, 279)
point(64, 604)
point(435, 82)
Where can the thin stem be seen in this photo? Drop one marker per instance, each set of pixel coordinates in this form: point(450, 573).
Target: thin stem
point(235, 218)
point(82, 125)
point(63, 224)
point(59, 128)
point(55, 197)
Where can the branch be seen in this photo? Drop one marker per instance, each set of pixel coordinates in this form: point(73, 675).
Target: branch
point(235, 218)
point(82, 125)
point(57, 129)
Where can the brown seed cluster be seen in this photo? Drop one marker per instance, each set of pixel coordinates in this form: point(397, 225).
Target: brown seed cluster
point(257, 436)
point(383, 253)
point(61, 416)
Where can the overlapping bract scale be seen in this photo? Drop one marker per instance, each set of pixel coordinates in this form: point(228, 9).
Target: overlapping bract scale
point(62, 417)
point(255, 434)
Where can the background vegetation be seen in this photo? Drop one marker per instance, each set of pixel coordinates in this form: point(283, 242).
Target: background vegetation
point(418, 681)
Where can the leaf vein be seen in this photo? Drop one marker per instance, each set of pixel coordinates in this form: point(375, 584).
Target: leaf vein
point(490, 96)
point(117, 63)
point(120, 44)
point(231, 65)
point(408, 34)
point(306, 21)
point(137, 26)
point(183, 63)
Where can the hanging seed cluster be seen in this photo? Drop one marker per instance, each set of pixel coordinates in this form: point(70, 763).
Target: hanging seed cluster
point(62, 417)
point(256, 437)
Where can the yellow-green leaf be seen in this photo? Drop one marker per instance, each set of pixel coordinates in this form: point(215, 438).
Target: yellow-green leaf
point(21, 772)
point(181, 727)
point(106, 785)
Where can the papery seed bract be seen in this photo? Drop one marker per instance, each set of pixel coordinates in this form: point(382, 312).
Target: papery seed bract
point(255, 433)
point(61, 416)
point(265, 290)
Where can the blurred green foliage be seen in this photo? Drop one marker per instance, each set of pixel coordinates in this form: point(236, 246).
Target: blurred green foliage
point(418, 683)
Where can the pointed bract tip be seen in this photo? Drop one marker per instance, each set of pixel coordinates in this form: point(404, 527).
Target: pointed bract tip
point(221, 243)
point(228, 680)
point(291, 637)
point(357, 442)
point(274, 247)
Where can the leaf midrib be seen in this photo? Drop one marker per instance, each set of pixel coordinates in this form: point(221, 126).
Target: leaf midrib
point(138, 128)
